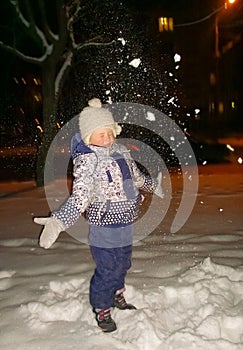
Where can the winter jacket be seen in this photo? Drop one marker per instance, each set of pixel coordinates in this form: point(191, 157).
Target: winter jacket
point(105, 186)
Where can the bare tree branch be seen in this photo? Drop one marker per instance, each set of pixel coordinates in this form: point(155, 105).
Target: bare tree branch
point(29, 25)
point(26, 58)
point(19, 16)
point(30, 14)
point(62, 71)
point(62, 22)
point(72, 12)
point(91, 43)
point(51, 37)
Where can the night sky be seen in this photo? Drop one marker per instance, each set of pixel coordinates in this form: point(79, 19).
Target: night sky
point(195, 43)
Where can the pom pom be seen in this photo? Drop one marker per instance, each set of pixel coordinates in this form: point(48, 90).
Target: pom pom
point(95, 103)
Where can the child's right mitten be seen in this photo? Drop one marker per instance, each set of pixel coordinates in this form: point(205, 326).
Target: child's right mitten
point(50, 231)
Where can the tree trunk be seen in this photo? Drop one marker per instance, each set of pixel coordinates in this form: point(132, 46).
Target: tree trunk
point(49, 119)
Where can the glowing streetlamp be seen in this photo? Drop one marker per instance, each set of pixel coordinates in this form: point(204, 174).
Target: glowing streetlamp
point(217, 52)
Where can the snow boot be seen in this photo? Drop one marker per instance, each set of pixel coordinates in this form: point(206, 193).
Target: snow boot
point(120, 302)
point(104, 320)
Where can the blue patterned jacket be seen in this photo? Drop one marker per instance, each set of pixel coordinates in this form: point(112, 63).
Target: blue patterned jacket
point(105, 186)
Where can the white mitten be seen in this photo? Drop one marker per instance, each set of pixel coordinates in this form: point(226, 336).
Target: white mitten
point(50, 231)
point(158, 191)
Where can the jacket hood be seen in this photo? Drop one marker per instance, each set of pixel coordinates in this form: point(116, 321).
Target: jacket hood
point(78, 147)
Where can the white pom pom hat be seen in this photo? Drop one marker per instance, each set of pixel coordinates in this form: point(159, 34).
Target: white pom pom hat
point(95, 117)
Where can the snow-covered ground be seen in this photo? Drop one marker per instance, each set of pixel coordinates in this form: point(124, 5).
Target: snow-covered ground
point(187, 286)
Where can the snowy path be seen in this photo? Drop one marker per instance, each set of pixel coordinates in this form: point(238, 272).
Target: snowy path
point(187, 286)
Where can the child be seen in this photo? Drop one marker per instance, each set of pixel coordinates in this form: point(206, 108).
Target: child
point(105, 187)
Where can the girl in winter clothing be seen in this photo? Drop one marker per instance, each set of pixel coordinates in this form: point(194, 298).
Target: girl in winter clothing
point(105, 188)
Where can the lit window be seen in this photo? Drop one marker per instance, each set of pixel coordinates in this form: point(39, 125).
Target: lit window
point(165, 24)
point(221, 107)
point(212, 79)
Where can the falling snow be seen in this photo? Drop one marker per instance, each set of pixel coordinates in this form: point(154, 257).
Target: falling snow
point(135, 62)
point(122, 40)
point(150, 116)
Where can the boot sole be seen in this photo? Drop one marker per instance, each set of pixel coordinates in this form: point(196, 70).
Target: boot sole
point(108, 330)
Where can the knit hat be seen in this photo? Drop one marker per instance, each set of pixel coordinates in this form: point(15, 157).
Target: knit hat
point(95, 117)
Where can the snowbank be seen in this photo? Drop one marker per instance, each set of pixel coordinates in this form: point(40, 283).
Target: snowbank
point(188, 286)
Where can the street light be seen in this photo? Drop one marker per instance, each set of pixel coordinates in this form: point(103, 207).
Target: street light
point(217, 52)
point(205, 18)
point(218, 107)
point(214, 76)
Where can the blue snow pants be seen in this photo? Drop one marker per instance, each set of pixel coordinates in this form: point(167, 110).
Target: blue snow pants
point(109, 276)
